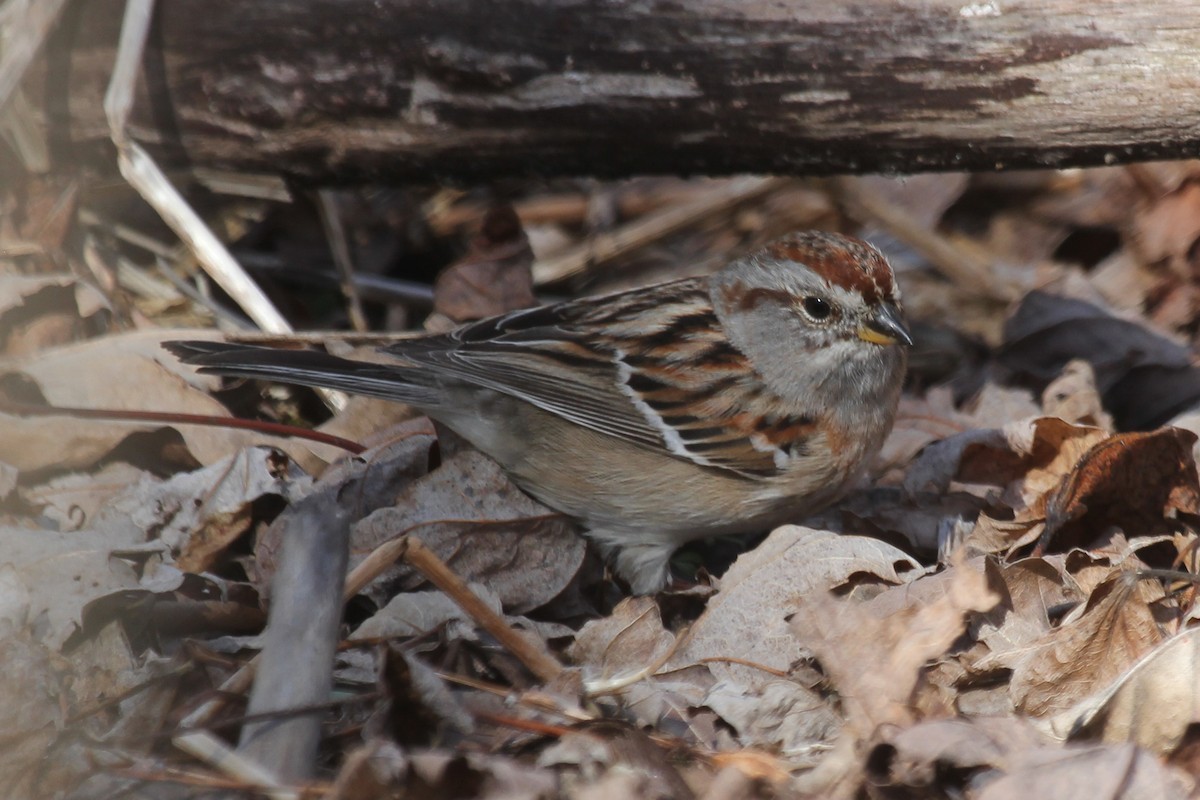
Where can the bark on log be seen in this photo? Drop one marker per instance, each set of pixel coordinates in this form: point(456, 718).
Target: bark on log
point(400, 90)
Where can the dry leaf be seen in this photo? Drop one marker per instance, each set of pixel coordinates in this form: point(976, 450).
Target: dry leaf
point(1144, 377)
point(198, 514)
point(1132, 481)
point(359, 485)
point(1029, 589)
point(924, 752)
point(412, 614)
point(485, 528)
point(1120, 772)
point(781, 716)
point(1036, 457)
point(614, 759)
point(1072, 396)
point(493, 277)
point(896, 639)
point(45, 311)
point(126, 371)
point(627, 641)
point(747, 619)
point(1151, 705)
point(48, 578)
point(1084, 656)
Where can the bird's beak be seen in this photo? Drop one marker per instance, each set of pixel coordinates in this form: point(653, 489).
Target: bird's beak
point(885, 326)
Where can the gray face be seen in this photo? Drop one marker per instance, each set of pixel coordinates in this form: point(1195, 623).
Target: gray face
point(821, 334)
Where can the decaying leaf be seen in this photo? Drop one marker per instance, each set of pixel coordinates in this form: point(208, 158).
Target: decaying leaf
point(47, 578)
point(41, 312)
point(412, 614)
point(1070, 484)
point(1121, 772)
point(197, 514)
point(127, 371)
point(919, 755)
point(1030, 590)
point(785, 717)
point(360, 485)
point(611, 759)
point(380, 769)
point(418, 705)
point(631, 638)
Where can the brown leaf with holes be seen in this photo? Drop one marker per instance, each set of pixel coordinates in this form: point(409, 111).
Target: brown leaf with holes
point(874, 652)
point(1029, 589)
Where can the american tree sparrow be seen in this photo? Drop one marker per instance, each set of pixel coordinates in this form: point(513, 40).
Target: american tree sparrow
point(705, 406)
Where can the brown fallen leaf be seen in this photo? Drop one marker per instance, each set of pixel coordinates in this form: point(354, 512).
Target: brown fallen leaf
point(1151, 705)
point(493, 277)
point(934, 417)
point(1118, 772)
point(485, 528)
point(1072, 396)
point(874, 651)
point(41, 312)
point(613, 759)
point(1083, 656)
point(1029, 589)
point(747, 619)
point(1132, 481)
point(380, 770)
point(1037, 453)
point(124, 371)
point(418, 706)
point(624, 642)
point(376, 477)
point(782, 716)
point(929, 753)
point(1029, 460)
point(36, 694)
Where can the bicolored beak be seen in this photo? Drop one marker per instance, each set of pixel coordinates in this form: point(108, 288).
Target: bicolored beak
point(885, 326)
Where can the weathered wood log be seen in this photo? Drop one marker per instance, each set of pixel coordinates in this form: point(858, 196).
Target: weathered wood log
point(401, 90)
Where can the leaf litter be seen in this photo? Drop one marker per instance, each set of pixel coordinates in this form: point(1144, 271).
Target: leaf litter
point(1004, 609)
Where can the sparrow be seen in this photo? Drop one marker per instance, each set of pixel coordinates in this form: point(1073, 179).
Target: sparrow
point(713, 405)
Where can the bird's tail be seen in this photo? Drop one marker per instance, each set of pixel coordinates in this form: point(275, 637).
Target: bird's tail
point(307, 368)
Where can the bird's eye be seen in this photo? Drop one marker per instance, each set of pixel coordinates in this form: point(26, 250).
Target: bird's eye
point(818, 308)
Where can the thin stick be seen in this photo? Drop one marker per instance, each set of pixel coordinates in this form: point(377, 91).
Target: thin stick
point(965, 268)
point(145, 176)
point(339, 248)
point(425, 561)
point(269, 428)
